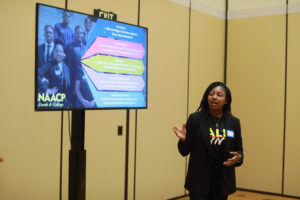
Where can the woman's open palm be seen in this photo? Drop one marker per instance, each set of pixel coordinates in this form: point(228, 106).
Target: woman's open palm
point(180, 132)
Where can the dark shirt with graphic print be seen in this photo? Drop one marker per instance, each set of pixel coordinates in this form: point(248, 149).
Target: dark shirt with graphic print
point(218, 136)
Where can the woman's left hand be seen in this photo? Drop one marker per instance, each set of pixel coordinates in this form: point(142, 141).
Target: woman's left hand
point(231, 161)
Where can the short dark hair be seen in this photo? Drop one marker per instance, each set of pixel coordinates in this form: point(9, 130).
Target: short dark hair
point(204, 103)
point(48, 26)
point(59, 42)
point(66, 12)
point(77, 27)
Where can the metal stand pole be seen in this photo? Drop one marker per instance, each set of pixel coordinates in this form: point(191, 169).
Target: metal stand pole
point(126, 155)
point(77, 158)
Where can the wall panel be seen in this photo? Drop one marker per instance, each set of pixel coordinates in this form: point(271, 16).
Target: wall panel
point(256, 72)
point(292, 163)
point(206, 55)
point(160, 168)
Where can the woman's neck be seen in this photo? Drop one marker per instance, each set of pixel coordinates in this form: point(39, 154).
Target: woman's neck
point(216, 113)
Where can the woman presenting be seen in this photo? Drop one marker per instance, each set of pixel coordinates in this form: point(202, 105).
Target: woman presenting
point(212, 137)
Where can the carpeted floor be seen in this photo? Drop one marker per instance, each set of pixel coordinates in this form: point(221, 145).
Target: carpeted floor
point(243, 195)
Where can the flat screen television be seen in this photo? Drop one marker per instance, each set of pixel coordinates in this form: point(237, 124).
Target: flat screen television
point(85, 62)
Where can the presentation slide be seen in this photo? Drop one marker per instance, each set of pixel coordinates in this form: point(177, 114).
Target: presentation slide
point(85, 62)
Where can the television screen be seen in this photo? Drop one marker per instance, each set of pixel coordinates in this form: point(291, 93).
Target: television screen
point(85, 62)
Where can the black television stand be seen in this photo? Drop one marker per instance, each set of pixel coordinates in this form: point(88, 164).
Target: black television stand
point(77, 157)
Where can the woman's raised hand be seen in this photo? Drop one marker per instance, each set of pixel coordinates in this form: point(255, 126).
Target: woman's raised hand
point(180, 132)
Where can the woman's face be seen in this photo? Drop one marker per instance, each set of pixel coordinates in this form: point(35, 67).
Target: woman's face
point(216, 98)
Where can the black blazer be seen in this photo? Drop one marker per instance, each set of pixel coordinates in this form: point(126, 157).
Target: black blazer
point(197, 144)
point(41, 55)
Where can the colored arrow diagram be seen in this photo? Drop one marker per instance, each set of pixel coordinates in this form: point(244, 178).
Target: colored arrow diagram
point(107, 99)
point(114, 47)
point(111, 64)
point(120, 99)
point(115, 82)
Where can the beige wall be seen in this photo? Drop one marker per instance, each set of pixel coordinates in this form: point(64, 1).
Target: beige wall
point(256, 76)
point(30, 141)
point(160, 169)
point(256, 60)
point(159, 165)
point(206, 55)
point(292, 162)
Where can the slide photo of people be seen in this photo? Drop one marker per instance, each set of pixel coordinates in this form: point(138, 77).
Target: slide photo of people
point(84, 62)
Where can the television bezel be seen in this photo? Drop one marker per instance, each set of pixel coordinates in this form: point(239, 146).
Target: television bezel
point(36, 64)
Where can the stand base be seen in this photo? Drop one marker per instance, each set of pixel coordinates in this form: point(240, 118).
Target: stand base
point(77, 174)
